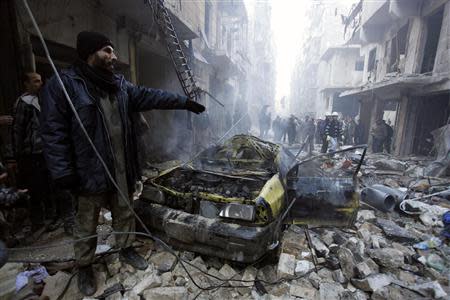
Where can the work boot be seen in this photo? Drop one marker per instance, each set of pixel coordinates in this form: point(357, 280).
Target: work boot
point(86, 281)
point(130, 257)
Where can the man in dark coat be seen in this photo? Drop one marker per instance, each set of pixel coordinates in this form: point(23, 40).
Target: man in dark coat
point(105, 103)
point(27, 145)
point(310, 131)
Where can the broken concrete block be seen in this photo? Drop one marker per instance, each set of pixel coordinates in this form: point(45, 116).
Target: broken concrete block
point(279, 290)
point(365, 235)
point(227, 271)
point(303, 292)
point(332, 262)
point(150, 281)
point(286, 266)
point(338, 276)
point(330, 291)
point(319, 246)
point(375, 230)
point(250, 276)
point(373, 282)
point(430, 289)
point(55, 285)
point(166, 279)
point(347, 262)
point(406, 277)
point(356, 295)
point(303, 267)
point(387, 257)
point(315, 279)
point(366, 268)
point(166, 293)
point(327, 237)
point(163, 261)
point(267, 273)
point(395, 232)
point(326, 275)
point(395, 292)
point(365, 215)
point(130, 295)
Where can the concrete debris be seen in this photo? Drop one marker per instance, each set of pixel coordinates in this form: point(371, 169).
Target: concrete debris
point(286, 266)
point(164, 261)
point(319, 246)
point(387, 257)
point(430, 289)
point(347, 261)
point(303, 267)
point(373, 282)
point(395, 232)
point(166, 293)
point(374, 258)
point(330, 291)
point(366, 268)
point(150, 281)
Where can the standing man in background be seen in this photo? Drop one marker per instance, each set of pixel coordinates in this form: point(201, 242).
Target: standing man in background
point(28, 150)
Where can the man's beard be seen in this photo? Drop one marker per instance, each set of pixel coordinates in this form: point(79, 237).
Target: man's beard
point(104, 64)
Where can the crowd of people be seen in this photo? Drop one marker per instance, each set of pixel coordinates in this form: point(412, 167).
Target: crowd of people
point(330, 132)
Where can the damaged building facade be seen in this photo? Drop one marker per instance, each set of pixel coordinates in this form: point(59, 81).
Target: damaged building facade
point(405, 46)
point(325, 66)
point(214, 38)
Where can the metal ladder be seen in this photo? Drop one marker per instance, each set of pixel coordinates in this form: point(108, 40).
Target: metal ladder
point(179, 59)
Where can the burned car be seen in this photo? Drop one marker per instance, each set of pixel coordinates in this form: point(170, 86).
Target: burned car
point(232, 200)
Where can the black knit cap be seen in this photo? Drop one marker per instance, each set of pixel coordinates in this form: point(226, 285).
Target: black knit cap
point(89, 42)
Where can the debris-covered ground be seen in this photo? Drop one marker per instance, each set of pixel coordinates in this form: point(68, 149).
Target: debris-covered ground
point(385, 255)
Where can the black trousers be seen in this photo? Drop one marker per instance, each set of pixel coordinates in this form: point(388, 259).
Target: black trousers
point(324, 144)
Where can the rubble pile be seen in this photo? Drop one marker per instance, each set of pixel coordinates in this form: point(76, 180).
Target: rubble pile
point(399, 254)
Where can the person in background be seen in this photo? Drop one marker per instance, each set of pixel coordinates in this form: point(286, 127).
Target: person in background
point(390, 134)
point(310, 130)
point(379, 134)
point(28, 150)
point(292, 129)
point(359, 132)
point(322, 130)
point(333, 131)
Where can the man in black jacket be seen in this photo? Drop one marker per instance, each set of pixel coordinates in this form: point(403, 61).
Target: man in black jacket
point(27, 145)
point(105, 103)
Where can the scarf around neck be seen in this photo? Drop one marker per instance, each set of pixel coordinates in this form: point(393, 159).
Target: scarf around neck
point(101, 78)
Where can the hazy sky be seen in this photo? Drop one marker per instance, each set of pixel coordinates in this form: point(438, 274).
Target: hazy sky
point(288, 26)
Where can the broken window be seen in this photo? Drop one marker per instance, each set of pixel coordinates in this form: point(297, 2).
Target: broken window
point(434, 24)
point(438, 107)
point(372, 57)
point(397, 49)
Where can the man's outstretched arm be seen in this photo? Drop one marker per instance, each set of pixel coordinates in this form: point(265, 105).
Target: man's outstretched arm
point(142, 99)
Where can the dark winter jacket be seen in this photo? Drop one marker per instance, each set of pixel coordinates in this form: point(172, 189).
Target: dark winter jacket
point(334, 129)
point(66, 148)
point(26, 137)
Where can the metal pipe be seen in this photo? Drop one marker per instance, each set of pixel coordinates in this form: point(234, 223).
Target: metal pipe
point(398, 195)
point(378, 199)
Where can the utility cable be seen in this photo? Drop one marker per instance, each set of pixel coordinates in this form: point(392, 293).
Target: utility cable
point(211, 287)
